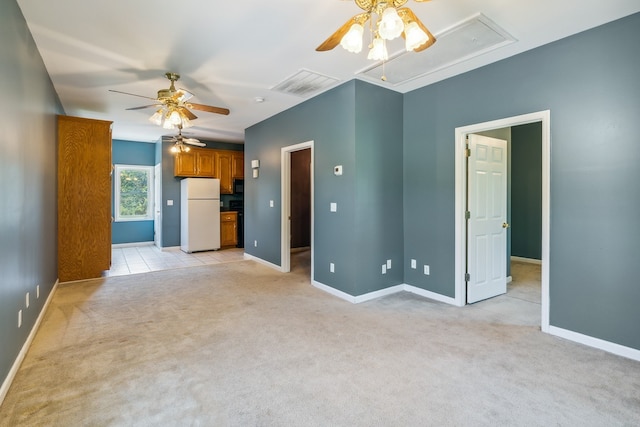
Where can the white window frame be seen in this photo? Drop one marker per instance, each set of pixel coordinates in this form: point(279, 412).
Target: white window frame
point(150, 200)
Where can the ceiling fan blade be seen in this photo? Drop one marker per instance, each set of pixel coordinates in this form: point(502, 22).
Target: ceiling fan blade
point(132, 94)
point(195, 142)
point(422, 1)
point(335, 38)
point(405, 11)
point(187, 113)
point(209, 108)
point(183, 95)
point(144, 106)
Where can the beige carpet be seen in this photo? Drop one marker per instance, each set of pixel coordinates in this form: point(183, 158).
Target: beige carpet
point(239, 344)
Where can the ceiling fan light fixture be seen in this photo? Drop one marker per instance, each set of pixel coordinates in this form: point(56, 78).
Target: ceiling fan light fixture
point(390, 25)
point(352, 41)
point(378, 50)
point(414, 36)
point(157, 117)
point(174, 117)
point(186, 123)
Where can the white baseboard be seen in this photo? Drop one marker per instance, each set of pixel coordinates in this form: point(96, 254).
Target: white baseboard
point(4, 389)
point(333, 291)
point(429, 294)
point(527, 260)
point(617, 349)
point(132, 244)
point(378, 294)
point(509, 279)
point(261, 261)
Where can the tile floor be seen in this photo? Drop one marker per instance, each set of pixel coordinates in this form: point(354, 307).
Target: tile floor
point(141, 259)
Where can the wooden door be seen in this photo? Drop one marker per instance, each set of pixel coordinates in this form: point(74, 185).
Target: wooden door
point(301, 198)
point(84, 198)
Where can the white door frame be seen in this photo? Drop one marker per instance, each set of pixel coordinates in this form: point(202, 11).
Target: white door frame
point(285, 190)
point(461, 190)
point(157, 205)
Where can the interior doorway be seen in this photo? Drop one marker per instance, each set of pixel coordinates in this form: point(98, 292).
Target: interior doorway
point(157, 206)
point(461, 167)
point(297, 206)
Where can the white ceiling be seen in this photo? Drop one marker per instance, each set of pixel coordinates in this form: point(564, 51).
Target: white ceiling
point(230, 53)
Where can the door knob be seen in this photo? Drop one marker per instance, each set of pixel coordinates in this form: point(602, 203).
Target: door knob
point(505, 225)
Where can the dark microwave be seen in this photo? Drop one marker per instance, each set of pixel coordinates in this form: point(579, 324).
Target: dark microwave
point(238, 186)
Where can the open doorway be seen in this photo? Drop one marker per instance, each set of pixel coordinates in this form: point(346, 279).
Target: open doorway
point(297, 208)
point(461, 204)
point(300, 211)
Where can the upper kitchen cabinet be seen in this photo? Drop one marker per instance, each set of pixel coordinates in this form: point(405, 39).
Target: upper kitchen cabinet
point(84, 198)
point(237, 163)
point(224, 165)
point(197, 162)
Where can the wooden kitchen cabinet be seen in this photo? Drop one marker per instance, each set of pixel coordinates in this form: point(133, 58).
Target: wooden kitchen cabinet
point(84, 198)
point(237, 164)
point(226, 165)
point(197, 162)
point(223, 163)
point(228, 229)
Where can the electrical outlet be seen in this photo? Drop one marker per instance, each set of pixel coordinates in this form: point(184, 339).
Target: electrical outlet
point(26, 300)
point(169, 202)
point(414, 264)
point(332, 268)
point(384, 268)
point(271, 204)
point(426, 270)
point(388, 264)
point(19, 318)
point(333, 207)
point(255, 243)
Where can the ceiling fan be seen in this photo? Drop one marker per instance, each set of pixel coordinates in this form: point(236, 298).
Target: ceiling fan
point(392, 21)
point(181, 142)
point(173, 106)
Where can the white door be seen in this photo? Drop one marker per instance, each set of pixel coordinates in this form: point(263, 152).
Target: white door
point(487, 224)
point(157, 206)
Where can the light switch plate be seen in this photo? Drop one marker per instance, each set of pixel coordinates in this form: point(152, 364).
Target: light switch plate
point(169, 202)
point(334, 207)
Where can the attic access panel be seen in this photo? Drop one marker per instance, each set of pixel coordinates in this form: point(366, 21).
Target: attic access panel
point(472, 37)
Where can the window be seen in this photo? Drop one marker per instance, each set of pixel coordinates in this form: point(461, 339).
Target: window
point(133, 193)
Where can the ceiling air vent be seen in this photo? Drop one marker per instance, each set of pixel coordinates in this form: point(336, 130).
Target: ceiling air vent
point(470, 38)
point(305, 83)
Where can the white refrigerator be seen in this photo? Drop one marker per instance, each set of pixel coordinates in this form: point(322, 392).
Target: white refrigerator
point(199, 214)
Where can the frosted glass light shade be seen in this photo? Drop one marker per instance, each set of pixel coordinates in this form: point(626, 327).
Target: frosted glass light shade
point(414, 36)
point(378, 50)
point(156, 118)
point(352, 41)
point(390, 25)
point(175, 118)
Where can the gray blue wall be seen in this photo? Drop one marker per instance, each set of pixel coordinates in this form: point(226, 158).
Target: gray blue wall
point(28, 249)
point(171, 189)
point(590, 83)
point(358, 126)
point(139, 154)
